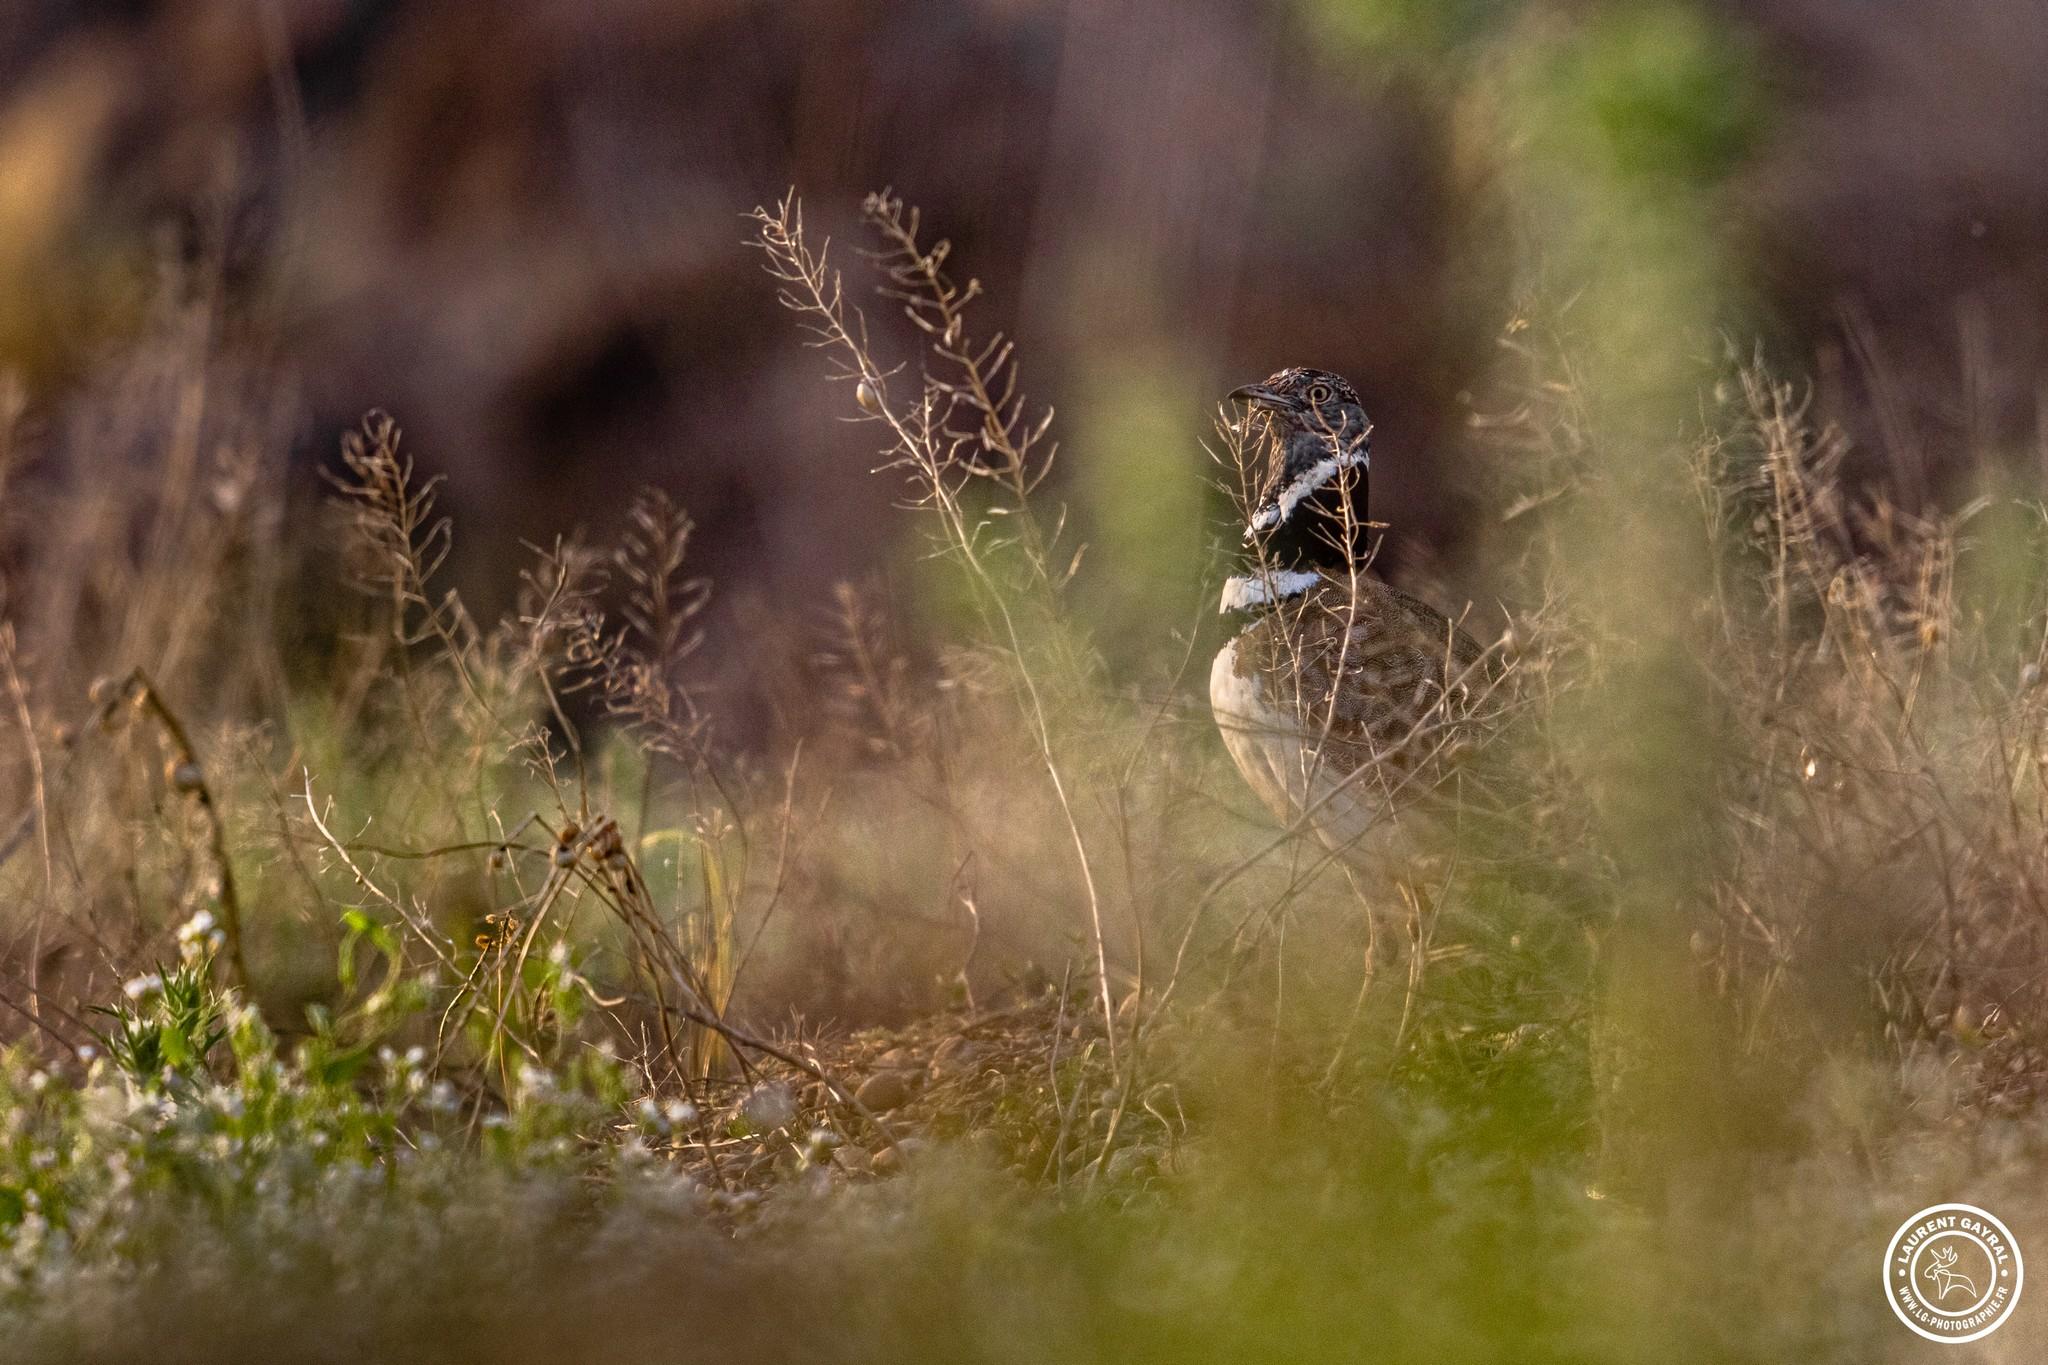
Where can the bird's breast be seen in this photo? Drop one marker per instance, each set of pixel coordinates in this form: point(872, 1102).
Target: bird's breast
point(1263, 742)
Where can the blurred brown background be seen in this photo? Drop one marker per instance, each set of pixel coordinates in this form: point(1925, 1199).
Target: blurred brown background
point(518, 226)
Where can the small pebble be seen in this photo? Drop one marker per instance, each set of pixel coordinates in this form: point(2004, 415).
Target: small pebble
point(894, 1158)
point(883, 1091)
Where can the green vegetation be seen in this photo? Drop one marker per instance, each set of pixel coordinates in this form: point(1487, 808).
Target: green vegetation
point(489, 1108)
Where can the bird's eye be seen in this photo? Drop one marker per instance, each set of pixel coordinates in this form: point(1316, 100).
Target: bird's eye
point(1318, 394)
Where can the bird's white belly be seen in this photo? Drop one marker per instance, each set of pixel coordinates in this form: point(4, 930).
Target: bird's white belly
point(1255, 734)
point(1279, 762)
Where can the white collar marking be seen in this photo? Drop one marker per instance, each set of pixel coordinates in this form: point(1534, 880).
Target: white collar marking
point(1243, 592)
point(1312, 478)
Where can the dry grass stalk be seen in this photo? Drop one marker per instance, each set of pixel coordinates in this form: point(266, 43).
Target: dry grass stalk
point(964, 423)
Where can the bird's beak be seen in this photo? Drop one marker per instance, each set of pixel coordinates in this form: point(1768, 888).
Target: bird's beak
point(1258, 396)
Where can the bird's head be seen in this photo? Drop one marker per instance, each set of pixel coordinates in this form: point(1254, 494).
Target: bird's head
point(1314, 489)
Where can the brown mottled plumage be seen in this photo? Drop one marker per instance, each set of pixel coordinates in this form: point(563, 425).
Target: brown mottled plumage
point(1346, 706)
point(1345, 700)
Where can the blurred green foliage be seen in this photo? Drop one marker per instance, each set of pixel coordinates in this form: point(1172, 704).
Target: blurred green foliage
point(1148, 513)
point(1674, 94)
point(1431, 29)
point(258, 1202)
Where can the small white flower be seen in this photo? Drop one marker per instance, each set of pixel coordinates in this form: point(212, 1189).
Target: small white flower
point(138, 987)
point(198, 947)
point(772, 1104)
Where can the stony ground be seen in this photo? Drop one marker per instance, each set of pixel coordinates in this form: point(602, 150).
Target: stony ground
point(1030, 1085)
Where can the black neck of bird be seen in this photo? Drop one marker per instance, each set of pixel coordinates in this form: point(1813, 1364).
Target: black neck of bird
point(1328, 531)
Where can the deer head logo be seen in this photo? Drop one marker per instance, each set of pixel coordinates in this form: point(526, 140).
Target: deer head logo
point(1941, 1271)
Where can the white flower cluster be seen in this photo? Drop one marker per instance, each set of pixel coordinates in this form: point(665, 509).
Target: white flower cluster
point(404, 1070)
point(200, 937)
point(142, 987)
point(666, 1117)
